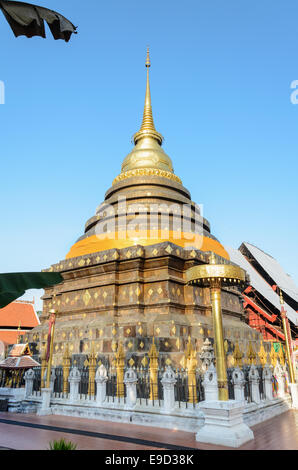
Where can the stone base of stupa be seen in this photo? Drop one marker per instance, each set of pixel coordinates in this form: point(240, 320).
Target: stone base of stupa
point(131, 295)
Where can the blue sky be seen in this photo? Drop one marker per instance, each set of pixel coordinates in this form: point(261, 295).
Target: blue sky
point(220, 84)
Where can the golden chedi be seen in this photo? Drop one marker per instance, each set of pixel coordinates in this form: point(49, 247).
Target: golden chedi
point(146, 186)
point(125, 277)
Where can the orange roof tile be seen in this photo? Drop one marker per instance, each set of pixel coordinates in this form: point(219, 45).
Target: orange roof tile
point(19, 313)
point(10, 337)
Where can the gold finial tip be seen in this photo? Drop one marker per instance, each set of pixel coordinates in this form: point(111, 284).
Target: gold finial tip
point(148, 63)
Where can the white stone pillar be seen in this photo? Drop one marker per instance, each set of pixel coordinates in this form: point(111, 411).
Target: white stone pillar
point(238, 382)
point(74, 379)
point(294, 395)
point(210, 384)
point(29, 378)
point(267, 374)
point(101, 378)
point(46, 402)
point(223, 424)
point(253, 377)
point(279, 374)
point(131, 380)
point(287, 379)
point(168, 382)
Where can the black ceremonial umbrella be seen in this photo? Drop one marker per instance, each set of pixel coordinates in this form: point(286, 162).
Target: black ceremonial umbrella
point(26, 19)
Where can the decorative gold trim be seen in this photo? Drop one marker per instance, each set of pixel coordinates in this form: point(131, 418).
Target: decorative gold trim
point(147, 172)
point(208, 272)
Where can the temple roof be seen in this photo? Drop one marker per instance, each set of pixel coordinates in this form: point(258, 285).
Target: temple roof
point(260, 284)
point(274, 270)
point(19, 314)
point(19, 358)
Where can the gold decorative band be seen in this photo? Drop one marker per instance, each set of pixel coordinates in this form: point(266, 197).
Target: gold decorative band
point(147, 172)
point(226, 272)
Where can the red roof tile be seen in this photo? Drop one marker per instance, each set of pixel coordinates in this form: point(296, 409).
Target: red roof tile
point(19, 313)
point(24, 362)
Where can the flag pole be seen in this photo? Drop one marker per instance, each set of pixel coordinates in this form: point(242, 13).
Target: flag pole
point(52, 320)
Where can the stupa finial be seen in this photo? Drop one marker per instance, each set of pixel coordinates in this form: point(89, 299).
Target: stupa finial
point(148, 63)
point(147, 128)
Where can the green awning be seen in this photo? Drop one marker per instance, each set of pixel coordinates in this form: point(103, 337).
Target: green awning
point(14, 285)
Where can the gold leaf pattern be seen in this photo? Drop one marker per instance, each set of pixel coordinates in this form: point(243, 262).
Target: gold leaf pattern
point(86, 297)
point(144, 361)
point(138, 291)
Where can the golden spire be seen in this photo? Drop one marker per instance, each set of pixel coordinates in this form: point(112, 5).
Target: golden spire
point(147, 128)
point(19, 329)
point(147, 154)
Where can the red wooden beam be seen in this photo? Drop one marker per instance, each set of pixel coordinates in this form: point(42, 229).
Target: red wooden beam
point(271, 318)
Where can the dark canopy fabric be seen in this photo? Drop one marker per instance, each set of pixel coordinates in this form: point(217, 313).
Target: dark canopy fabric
point(14, 285)
point(28, 20)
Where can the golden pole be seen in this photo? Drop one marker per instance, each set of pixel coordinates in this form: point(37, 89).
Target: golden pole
point(283, 315)
point(92, 368)
point(120, 357)
point(221, 366)
point(43, 368)
point(66, 367)
point(52, 322)
point(153, 371)
point(191, 364)
point(216, 275)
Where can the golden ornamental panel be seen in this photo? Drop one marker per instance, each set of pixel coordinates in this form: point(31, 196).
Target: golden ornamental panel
point(208, 272)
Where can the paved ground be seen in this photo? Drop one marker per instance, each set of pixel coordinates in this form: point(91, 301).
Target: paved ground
point(31, 432)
